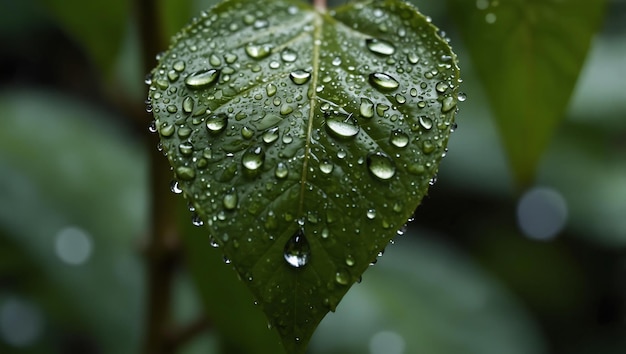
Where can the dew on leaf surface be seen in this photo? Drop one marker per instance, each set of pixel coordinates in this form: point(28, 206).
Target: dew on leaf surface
point(380, 46)
point(297, 251)
point(253, 158)
point(381, 166)
point(383, 82)
point(203, 78)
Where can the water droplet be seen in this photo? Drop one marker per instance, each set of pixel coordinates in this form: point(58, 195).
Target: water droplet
point(380, 46)
point(326, 166)
point(215, 60)
point(172, 109)
point(188, 104)
point(336, 61)
point(400, 99)
point(300, 77)
point(383, 82)
point(270, 135)
point(342, 277)
point(412, 58)
point(428, 147)
point(426, 122)
point(381, 165)
point(185, 148)
point(230, 200)
point(399, 138)
point(371, 214)
point(179, 65)
point(175, 187)
point(367, 108)
point(253, 158)
point(297, 250)
point(350, 261)
point(448, 104)
point(247, 133)
point(441, 87)
point(196, 220)
point(288, 55)
point(185, 173)
point(461, 97)
point(203, 78)
point(216, 122)
point(281, 170)
point(255, 51)
point(342, 126)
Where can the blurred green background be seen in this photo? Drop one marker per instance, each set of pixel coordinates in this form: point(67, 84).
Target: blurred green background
point(482, 268)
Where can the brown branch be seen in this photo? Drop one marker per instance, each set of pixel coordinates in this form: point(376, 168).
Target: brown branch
point(163, 242)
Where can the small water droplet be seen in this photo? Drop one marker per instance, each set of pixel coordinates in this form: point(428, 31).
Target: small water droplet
point(185, 148)
point(428, 146)
point(342, 277)
point(281, 170)
point(383, 82)
point(255, 51)
point(196, 220)
point(326, 167)
point(247, 133)
point(336, 61)
point(441, 87)
point(288, 55)
point(188, 104)
point(299, 77)
point(297, 250)
point(366, 109)
point(379, 46)
point(350, 261)
point(400, 99)
point(203, 78)
point(448, 104)
point(426, 122)
point(342, 126)
point(175, 187)
point(230, 200)
point(399, 138)
point(381, 165)
point(371, 214)
point(215, 60)
point(270, 135)
point(461, 97)
point(179, 65)
point(253, 158)
point(217, 122)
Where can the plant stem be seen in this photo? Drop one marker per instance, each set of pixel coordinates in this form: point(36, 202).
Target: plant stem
point(163, 241)
point(320, 5)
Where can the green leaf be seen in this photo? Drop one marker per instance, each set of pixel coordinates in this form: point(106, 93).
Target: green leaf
point(305, 140)
point(528, 55)
point(98, 25)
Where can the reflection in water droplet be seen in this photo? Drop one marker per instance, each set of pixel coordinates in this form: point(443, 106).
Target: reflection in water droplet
point(342, 126)
point(399, 138)
point(381, 165)
point(380, 46)
point(258, 51)
point(253, 158)
point(383, 82)
point(297, 250)
point(281, 170)
point(367, 108)
point(299, 77)
point(270, 135)
point(288, 55)
point(203, 78)
point(216, 122)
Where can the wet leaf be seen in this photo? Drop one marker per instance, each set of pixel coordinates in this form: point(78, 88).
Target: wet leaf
point(304, 140)
point(528, 55)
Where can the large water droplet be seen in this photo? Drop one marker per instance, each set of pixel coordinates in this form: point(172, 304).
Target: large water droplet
point(185, 173)
point(426, 122)
point(288, 55)
point(188, 104)
point(380, 46)
point(381, 165)
point(342, 126)
point(203, 78)
point(253, 158)
point(399, 138)
point(297, 250)
point(342, 277)
point(366, 108)
point(258, 51)
point(448, 104)
point(383, 82)
point(217, 122)
point(300, 77)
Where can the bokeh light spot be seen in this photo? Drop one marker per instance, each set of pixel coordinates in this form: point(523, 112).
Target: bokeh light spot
point(541, 213)
point(73, 245)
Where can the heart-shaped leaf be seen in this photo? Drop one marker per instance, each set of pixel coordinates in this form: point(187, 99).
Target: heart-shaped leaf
point(304, 140)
